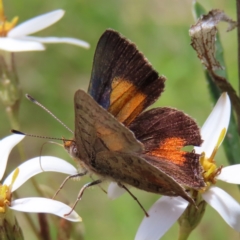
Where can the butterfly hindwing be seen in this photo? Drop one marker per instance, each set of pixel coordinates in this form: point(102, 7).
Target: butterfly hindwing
point(122, 80)
point(164, 132)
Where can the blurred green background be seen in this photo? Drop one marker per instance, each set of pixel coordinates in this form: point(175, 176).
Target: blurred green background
point(160, 30)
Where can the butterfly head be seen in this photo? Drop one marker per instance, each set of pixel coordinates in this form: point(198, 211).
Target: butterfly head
point(71, 147)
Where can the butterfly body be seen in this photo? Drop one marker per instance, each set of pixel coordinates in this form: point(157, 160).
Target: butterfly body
point(119, 141)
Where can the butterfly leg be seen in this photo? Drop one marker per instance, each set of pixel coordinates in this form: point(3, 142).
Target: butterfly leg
point(67, 178)
point(81, 193)
point(99, 185)
point(141, 206)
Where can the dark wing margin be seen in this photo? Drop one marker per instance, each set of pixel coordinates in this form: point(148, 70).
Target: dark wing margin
point(122, 80)
point(134, 170)
point(164, 132)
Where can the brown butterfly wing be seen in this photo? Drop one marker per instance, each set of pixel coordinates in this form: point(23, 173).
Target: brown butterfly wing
point(122, 80)
point(110, 150)
point(134, 170)
point(96, 130)
point(164, 132)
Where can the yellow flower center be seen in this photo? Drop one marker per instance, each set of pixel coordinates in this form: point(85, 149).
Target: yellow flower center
point(5, 26)
point(210, 169)
point(6, 193)
point(5, 197)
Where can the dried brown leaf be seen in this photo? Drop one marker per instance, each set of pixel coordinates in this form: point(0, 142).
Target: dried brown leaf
point(203, 35)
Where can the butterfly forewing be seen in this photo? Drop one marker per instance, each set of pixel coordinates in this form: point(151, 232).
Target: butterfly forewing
point(123, 81)
point(97, 130)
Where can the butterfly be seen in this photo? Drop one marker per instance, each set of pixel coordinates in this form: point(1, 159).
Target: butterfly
point(118, 139)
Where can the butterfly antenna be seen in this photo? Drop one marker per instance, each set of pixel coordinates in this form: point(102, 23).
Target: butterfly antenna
point(37, 136)
point(48, 111)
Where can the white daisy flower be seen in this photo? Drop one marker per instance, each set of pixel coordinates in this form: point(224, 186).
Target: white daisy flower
point(15, 38)
point(25, 171)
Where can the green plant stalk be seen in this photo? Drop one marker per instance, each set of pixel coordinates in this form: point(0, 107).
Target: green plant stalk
point(10, 95)
point(238, 40)
point(9, 228)
point(192, 216)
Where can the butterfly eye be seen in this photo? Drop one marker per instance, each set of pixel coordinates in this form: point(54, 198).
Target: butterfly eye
point(75, 150)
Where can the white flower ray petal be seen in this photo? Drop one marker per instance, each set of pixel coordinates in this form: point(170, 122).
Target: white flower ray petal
point(230, 174)
point(114, 191)
point(45, 205)
point(67, 40)
point(6, 146)
point(215, 123)
point(225, 205)
point(162, 215)
point(32, 167)
point(16, 45)
point(36, 24)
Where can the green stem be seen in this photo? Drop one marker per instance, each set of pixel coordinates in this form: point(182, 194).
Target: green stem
point(10, 94)
point(183, 233)
point(238, 42)
point(9, 228)
point(13, 119)
point(192, 216)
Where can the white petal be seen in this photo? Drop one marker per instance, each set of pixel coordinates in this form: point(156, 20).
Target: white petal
point(225, 205)
point(73, 41)
point(162, 215)
point(36, 24)
point(230, 174)
point(6, 146)
point(33, 166)
point(213, 126)
point(114, 191)
point(45, 205)
point(16, 45)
